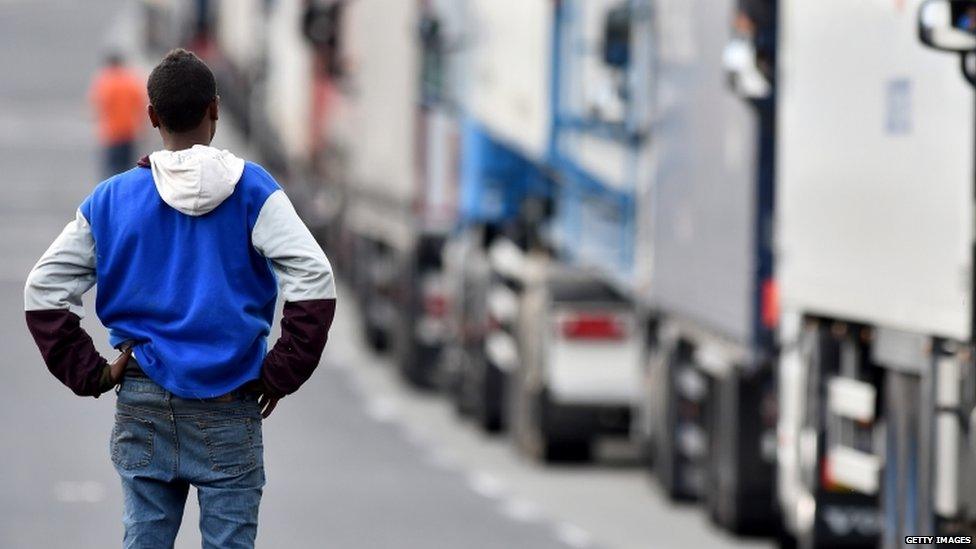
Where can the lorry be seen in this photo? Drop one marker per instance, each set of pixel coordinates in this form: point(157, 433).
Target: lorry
point(332, 95)
point(504, 121)
point(396, 211)
point(707, 414)
point(547, 337)
point(578, 334)
point(874, 217)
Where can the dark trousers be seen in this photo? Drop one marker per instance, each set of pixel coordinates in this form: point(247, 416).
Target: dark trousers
point(119, 157)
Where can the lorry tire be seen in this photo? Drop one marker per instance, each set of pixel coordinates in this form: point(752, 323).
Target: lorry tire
point(460, 388)
point(530, 434)
point(488, 405)
point(675, 469)
point(740, 495)
point(376, 338)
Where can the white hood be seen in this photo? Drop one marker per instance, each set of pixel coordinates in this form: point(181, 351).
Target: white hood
point(194, 181)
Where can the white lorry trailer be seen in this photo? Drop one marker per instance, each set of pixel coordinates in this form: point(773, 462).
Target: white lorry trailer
point(578, 334)
point(874, 231)
point(708, 413)
point(334, 101)
point(547, 335)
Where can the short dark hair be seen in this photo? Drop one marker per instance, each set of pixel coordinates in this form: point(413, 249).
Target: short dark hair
point(181, 87)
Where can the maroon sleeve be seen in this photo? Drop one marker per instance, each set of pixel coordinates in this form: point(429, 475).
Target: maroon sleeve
point(304, 331)
point(67, 349)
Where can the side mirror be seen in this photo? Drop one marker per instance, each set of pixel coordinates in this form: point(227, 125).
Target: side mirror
point(742, 70)
point(616, 37)
point(948, 25)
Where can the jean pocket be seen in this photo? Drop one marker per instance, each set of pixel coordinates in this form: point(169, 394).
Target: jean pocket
point(231, 444)
point(132, 442)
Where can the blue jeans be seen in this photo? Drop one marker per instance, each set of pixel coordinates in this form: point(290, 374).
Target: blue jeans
point(162, 444)
point(118, 158)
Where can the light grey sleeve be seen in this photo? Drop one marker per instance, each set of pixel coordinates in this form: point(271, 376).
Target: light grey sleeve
point(303, 271)
point(65, 272)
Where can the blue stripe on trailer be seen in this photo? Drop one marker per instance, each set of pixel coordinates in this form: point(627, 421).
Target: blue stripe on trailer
point(495, 179)
point(595, 225)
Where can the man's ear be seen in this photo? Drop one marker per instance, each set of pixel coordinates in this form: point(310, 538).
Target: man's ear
point(214, 109)
point(153, 118)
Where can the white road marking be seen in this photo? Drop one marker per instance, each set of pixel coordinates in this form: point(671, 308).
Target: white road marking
point(383, 409)
point(418, 435)
point(521, 510)
point(573, 535)
point(442, 459)
point(486, 484)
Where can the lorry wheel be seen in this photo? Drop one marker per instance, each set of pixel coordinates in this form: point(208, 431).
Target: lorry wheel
point(460, 388)
point(488, 420)
point(785, 540)
point(376, 338)
point(568, 451)
point(489, 404)
point(418, 367)
point(675, 469)
point(529, 434)
point(417, 378)
point(740, 494)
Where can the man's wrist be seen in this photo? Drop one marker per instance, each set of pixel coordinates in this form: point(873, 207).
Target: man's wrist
point(267, 387)
point(105, 381)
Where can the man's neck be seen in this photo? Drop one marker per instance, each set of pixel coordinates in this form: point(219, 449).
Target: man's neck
point(182, 141)
point(182, 144)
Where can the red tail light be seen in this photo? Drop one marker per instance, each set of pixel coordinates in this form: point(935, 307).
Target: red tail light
point(593, 327)
point(770, 303)
point(827, 481)
point(435, 305)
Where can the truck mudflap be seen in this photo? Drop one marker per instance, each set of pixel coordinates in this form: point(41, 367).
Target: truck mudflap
point(740, 463)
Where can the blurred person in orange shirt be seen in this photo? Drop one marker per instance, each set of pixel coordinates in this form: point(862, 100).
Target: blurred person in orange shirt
point(118, 97)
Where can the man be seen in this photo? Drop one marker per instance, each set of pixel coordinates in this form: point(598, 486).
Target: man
point(118, 100)
point(188, 250)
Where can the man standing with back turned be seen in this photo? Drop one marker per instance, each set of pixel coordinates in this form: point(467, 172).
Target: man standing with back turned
point(188, 250)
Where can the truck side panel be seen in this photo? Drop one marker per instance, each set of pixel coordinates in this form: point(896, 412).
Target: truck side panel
point(706, 139)
point(875, 206)
point(381, 100)
point(288, 102)
point(510, 72)
point(239, 33)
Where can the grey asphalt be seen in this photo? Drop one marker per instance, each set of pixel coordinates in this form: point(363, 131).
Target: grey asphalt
point(353, 461)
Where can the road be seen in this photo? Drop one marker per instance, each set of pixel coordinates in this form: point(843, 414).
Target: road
point(353, 461)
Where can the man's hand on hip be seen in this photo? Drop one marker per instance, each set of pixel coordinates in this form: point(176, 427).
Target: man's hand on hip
point(117, 368)
point(267, 404)
point(266, 399)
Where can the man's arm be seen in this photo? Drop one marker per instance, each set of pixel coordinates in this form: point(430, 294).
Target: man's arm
point(52, 301)
point(308, 288)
